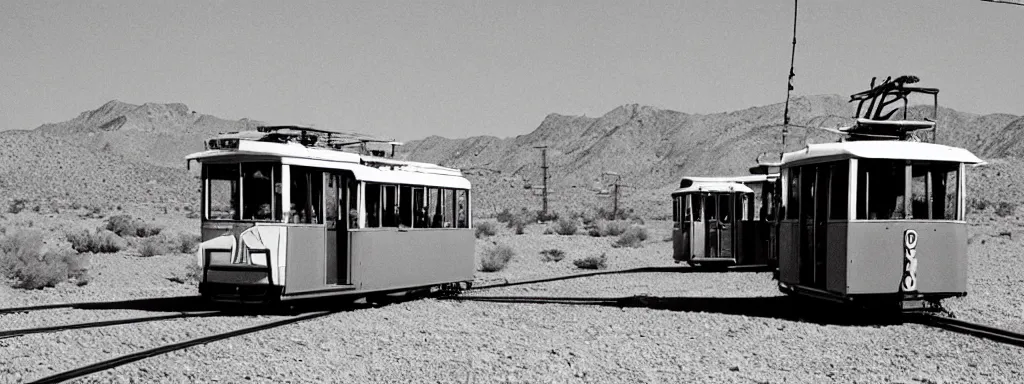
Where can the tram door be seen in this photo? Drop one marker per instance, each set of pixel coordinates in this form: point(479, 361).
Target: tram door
point(814, 199)
point(719, 214)
point(808, 195)
point(340, 197)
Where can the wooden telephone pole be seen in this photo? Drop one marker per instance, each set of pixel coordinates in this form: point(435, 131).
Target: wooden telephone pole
point(544, 171)
point(615, 193)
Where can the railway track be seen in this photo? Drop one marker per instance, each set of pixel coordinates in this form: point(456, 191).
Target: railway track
point(678, 269)
point(136, 356)
point(972, 329)
point(105, 323)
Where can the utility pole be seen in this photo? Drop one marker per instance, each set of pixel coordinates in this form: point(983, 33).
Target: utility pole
point(544, 171)
point(789, 88)
point(615, 193)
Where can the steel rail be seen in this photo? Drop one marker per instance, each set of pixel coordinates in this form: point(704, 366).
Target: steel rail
point(972, 329)
point(681, 269)
point(133, 357)
point(104, 323)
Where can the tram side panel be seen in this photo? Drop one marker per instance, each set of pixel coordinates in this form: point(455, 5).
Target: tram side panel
point(878, 257)
point(789, 252)
point(836, 257)
point(306, 268)
point(384, 259)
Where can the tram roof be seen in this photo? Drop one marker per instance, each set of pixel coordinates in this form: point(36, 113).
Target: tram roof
point(897, 150)
point(745, 179)
point(714, 186)
point(366, 168)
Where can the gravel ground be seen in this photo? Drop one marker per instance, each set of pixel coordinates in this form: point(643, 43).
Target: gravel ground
point(694, 327)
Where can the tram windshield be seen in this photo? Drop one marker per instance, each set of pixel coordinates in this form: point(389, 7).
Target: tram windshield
point(882, 185)
point(249, 191)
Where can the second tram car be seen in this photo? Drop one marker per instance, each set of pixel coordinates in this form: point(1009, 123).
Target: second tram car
point(287, 214)
point(716, 223)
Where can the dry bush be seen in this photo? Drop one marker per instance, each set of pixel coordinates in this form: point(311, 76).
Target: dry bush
point(1004, 209)
point(565, 227)
point(99, 241)
point(592, 262)
point(187, 243)
point(504, 216)
point(485, 229)
point(125, 225)
point(496, 258)
point(191, 275)
point(156, 245)
point(555, 255)
point(17, 206)
point(604, 228)
point(26, 266)
point(548, 217)
point(632, 238)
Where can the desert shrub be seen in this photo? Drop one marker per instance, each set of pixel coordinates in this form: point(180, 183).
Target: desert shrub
point(978, 204)
point(546, 217)
point(592, 262)
point(604, 228)
point(155, 246)
point(485, 229)
point(187, 243)
point(549, 231)
point(504, 216)
point(520, 228)
point(553, 255)
point(565, 227)
point(191, 274)
point(125, 225)
point(496, 258)
point(17, 206)
point(633, 237)
point(99, 241)
point(1005, 208)
point(24, 263)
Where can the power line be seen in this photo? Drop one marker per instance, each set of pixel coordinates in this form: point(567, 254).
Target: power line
point(789, 88)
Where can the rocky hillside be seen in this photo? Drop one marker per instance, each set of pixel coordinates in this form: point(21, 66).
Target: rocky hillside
point(134, 153)
point(158, 134)
point(652, 148)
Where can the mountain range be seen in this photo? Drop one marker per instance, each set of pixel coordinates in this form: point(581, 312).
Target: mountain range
point(128, 152)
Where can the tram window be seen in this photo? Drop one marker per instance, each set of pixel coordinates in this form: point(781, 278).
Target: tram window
point(449, 207)
point(434, 207)
point(330, 198)
point(710, 208)
point(260, 182)
point(389, 212)
point(352, 196)
point(687, 210)
point(307, 196)
point(372, 208)
point(880, 189)
point(462, 208)
point(839, 190)
point(793, 199)
point(725, 213)
point(934, 191)
point(222, 191)
point(419, 204)
point(698, 205)
point(405, 206)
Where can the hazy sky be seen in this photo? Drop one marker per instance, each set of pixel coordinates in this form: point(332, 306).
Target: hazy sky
point(410, 69)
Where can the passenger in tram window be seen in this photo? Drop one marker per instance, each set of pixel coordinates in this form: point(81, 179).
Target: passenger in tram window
point(353, 218)
point(461, 217)
point(436, 222)
point(421, 217)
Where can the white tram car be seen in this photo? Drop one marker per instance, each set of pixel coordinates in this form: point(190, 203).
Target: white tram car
point(287, 213)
